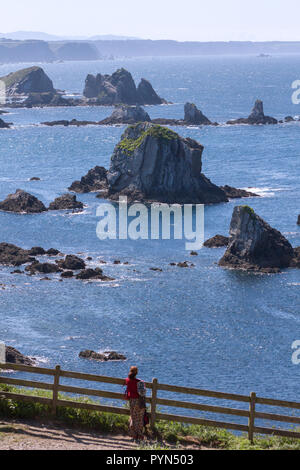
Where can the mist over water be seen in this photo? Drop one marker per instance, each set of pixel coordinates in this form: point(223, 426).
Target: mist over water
point(203, 327)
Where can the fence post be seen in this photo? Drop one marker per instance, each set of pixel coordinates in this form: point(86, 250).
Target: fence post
point(55, 390)
point(153, 402)
point(251, 422)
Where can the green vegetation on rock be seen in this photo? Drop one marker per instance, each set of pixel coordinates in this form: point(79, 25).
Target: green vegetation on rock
point(249, 210)
point(158, 132)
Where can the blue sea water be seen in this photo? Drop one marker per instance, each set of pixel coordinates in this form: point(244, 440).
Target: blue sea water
point(203, 327)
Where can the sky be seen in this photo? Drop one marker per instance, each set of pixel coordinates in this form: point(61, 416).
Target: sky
point(189, 20)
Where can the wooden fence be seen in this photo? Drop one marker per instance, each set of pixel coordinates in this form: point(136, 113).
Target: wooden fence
point(251, 414)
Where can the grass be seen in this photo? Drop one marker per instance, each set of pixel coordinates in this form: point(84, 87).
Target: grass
point(163, 134)
point(165, 433)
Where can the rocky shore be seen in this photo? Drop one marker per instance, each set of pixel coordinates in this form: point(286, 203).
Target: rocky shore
point(119, 88)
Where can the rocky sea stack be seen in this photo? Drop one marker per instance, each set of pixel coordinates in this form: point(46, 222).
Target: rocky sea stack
point(22, 202)
point(153, 163)
point(193, 116)
point(29, 80)
point(119, 88)
point(254, 245)
point(256, 117)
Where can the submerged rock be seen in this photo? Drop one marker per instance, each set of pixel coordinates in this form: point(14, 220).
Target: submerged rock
point(193, 116)
point(15, 357)
point(37, 251)
point(119, 88)
point(127, 115)
point(234, 193)
point(28, 80)
point(4, 125)
point(53, 252)
point(22, 202)
point(153, 163)
point(67, 274)
point(217, 242)
point(254, 245)
point(65, 202)
point(102, 357)
point(71, 263)
point(257, 116)
point(94, 274)
point(12, 255)
point(44, 268)
point(95, 180)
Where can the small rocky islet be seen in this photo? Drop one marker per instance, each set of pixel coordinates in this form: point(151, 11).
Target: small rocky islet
point(152, 163)
point(254, 246)
point(31, 87)
point(24, 203)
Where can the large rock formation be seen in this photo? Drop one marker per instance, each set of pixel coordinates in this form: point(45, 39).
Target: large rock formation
point(147, 95)
point(118, 88)
point(153, 163)
point(65, 202)
point(193, 116)
point(22, 202)
point(257, 116)
point(127, 115)
point(254, 245)
point(29, 80)
point(95, 180)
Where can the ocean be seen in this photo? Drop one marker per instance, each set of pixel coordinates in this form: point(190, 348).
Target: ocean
point(203, 327)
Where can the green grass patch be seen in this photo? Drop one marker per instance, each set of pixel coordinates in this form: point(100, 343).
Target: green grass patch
point(163, 134)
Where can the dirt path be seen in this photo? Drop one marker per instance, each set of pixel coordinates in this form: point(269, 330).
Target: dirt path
point(16, 435)
point(37, 435)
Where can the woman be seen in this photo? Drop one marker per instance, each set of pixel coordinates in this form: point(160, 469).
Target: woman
point(137, 405)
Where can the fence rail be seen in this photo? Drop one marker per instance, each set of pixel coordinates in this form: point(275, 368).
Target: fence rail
point(57, 388)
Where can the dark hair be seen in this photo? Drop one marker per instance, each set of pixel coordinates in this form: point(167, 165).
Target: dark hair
point(133, 373)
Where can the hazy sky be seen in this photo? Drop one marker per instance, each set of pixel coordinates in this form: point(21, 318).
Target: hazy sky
point(202, 20)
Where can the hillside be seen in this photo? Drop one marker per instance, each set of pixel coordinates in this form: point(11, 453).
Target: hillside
point(46, 51)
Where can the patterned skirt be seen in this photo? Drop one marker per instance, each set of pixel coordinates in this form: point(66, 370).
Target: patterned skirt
point(136, 423)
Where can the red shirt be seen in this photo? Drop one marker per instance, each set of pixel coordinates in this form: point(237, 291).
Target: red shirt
point(131, 391)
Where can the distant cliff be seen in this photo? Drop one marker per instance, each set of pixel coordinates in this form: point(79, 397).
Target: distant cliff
point(42, 51)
